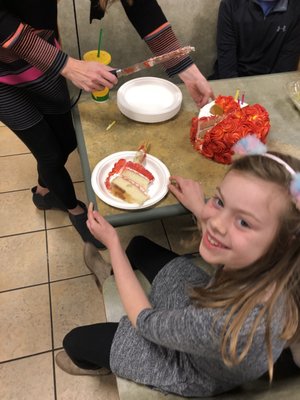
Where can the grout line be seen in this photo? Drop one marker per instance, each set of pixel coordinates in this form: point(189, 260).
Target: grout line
point(15, 190)
point(165, 232)
point(14, 155)
point(23, 287)
point(50, 310)
point(35, 231)
point(24, 357)
point(45, 283)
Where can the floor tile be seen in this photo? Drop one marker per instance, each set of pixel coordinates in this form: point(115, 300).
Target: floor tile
point(23, 260)
point(182, 233)
point(65, 252)
point(30, 378)
point(17, 172)
point(10, 144)
point(25, 322)
point(18, 215)
point(70, 387)
point(73, 166)
point(56, 218)
point(75, 302)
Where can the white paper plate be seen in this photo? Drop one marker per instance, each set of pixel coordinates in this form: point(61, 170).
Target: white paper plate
point(157, 190)
point(149, 99)
point(205, 110)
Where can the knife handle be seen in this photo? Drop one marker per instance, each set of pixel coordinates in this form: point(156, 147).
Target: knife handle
point(115, 72)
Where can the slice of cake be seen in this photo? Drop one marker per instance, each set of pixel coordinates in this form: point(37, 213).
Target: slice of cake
point(129, 181)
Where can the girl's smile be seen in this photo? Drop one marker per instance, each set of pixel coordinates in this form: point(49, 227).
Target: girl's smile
point(212, 242)
point(238, 226)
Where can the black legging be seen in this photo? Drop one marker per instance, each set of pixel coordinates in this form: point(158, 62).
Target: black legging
point(89, 346)
point(51, 141)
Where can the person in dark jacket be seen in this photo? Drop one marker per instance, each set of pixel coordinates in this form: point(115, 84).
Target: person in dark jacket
point(257, 37)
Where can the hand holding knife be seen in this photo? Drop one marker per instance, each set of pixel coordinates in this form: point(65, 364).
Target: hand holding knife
point(152, 61)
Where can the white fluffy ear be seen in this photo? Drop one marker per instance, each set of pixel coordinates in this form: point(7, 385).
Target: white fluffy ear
point(295, 189)
point(249, 144)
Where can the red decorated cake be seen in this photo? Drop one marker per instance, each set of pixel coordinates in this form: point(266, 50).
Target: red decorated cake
point(214, 136)
point(130, 180)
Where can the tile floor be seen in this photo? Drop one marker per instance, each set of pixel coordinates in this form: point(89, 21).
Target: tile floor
point(45, 287)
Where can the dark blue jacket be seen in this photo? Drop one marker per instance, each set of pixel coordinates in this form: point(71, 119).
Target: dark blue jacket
point(251, 43)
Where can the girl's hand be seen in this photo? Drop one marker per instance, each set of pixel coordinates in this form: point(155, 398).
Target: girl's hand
point(189, 193)
point(197, 85)
point(101, 229)
point(88, 75)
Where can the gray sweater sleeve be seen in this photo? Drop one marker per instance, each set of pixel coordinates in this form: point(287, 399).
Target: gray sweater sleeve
point(190, 330)
point(174, 322)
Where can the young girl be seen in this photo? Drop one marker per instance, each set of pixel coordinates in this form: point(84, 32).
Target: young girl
point(197, 336)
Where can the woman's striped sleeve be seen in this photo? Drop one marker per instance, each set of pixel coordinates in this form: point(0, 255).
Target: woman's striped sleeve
point(163, 40)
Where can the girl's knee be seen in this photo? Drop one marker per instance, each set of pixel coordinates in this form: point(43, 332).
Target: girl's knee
point(71, 338)
point(137, 241)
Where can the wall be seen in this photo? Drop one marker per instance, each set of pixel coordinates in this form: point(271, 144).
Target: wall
point(194, 22)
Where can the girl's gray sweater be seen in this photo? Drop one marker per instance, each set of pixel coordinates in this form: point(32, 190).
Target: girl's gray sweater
point(176, 346)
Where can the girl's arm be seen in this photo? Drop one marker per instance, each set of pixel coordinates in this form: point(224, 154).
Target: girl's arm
point(131, 292)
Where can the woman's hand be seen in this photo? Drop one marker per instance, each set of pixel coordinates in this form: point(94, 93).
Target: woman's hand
point(101, 229)
point(88, 75)
point(189, 193)
point(197, 85)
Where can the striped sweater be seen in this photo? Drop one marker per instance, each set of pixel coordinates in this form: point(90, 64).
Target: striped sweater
point(29, 38)
point(29, 48)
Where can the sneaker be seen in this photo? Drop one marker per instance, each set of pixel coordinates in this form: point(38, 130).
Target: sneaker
point(96, 264)
point(66, 364)
point(47, 202)
point(79, 223)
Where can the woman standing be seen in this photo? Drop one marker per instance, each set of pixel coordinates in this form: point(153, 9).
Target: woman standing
point(34, 98)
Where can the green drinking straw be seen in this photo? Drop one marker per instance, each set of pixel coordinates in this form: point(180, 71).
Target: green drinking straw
point(99, 43)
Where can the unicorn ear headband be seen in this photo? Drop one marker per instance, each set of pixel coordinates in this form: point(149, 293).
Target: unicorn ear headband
point(250, 145)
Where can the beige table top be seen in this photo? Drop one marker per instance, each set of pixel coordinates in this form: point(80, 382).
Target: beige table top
point(170, 139)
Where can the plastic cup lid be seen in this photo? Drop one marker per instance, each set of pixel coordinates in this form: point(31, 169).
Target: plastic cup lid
point(105, 57)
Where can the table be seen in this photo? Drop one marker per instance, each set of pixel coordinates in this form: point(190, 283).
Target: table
point(170, 140)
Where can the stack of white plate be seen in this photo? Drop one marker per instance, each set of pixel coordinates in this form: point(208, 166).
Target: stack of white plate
point(149, 99)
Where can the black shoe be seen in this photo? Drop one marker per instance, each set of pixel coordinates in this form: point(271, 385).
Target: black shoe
point(79, 223)
point(47, 202)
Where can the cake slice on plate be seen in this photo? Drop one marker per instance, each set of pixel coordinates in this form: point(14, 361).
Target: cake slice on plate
point(130, 180)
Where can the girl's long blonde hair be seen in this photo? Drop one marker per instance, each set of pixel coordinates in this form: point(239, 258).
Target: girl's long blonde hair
point(239, 292)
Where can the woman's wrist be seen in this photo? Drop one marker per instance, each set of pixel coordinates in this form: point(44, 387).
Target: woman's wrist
point(191, 73)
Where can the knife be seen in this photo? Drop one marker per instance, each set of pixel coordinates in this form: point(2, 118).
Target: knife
point(152, 61)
